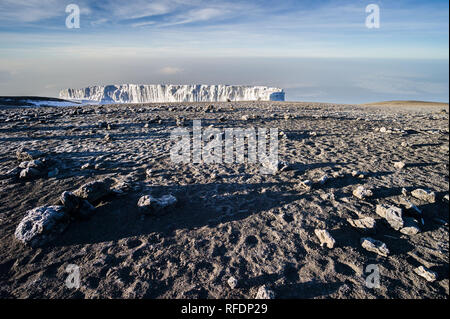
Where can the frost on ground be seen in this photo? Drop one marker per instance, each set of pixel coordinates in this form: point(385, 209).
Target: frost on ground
point(96, 187)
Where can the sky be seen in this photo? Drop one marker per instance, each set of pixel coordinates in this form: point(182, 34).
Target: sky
point(317, 50)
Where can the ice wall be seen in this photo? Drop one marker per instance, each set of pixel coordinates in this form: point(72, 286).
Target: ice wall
point(132, 93)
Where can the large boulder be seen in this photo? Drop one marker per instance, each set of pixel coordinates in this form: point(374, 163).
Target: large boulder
point(40, 223)
point(93, 191)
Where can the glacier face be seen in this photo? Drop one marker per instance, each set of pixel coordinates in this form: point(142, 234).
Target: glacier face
point(133, 93)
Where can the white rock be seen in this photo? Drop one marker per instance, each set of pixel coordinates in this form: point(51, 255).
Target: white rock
point(364, 224)
point(361, 192)
point(323, 179)
point(392, 214)
point(375, 246)
point(148, 204)
point(38, 223)
point(325, 238)
point(232, 282)
point(425, 195)
point(399, 165)
point(410, 226)
point(29, 172)
point(426, 273)
point(265, 293)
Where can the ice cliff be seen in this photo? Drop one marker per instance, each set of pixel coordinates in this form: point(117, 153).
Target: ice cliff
point(132, 93)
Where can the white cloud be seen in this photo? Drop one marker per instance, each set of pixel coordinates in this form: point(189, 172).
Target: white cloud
point(169, 70)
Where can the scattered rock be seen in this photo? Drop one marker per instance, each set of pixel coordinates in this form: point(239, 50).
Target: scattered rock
point(375, 246)
point(232, 282)
point(24, 154)
point(399, 165)
point(87, 166)
point(325, 238)
point(244, 117)
point(108, 138)
point(445, 199)
point(404, 192)
point(425, 195)
point(426, 273)
point(361, 192)
point(265, 293)
point(366, 224)
point(29, 172)
point(306, 184)
point(39, 223)
point(359, 174)
point(392, 214)
point(93, 191)
point(149, 205)
point(410, 226)
point(71, 202)
point(323, 179)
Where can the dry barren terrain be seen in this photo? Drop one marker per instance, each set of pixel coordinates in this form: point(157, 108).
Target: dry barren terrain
point(230, 220)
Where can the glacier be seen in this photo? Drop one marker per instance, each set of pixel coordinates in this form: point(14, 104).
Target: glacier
point(160, 93)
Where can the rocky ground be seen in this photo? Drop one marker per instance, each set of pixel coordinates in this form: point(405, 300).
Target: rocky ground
point(358, 186)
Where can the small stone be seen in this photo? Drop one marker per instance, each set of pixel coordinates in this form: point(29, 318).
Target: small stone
point(265, 293)
point(29, 172)
point(426, 273)
point(445, 199)
point(404, 144)
point(361, 192)
point(325, 238)
point(359, 174)
point(399, 165)
point(383, 130)
point(232, 282)
point(306, 184)
point(108, 138)
point(404, 192)
point(366, 224)
point(375, 246)
point(244, 117)
point(323, 179)
point(392, 214)
point(24, 154)
point(410, 226)
point(150, 205)
point(37, 164)
point(148, 172)
point(86, 166)
point(70, 202)
point(425, 195)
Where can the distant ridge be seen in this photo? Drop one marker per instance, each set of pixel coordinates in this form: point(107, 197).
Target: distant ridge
point(407, 103)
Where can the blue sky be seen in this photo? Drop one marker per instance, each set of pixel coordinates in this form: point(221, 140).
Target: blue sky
point(284, 43)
